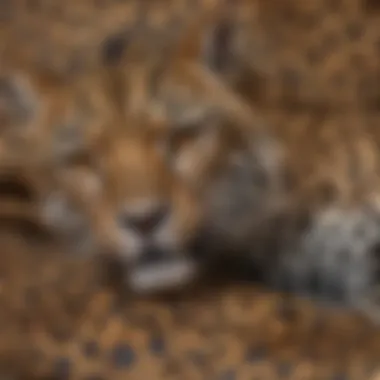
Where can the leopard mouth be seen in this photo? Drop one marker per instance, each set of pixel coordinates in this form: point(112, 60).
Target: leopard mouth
point(167, 274)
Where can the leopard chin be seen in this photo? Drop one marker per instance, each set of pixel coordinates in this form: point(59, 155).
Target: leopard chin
point(163, 276)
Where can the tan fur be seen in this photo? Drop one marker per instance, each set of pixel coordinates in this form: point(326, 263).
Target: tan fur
point(56, 317)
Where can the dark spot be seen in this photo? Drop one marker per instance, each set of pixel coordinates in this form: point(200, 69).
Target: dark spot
point(289, 86)
point(202, 244)
point(334, 5)
point(286, 310)
point(113, 274)
point(290, 14)
point(113, 49)
point(228, 374)
point(94, 377)
point(369, 92)
point(15, 188)
point(100, 3)
point(38, 355)
point(252, 84)
point(319, 325)
point(340, 376)
point(122, 356)
point(288, 179)
point(62, 368)
point(303, 222)
point(338, 79)
point(76, 64)
point(354, 31)
point(332, 289)
point(311, 20)
point(313, 284)
point(61, 333)
point(31, 296)
point(314, 55)
point(290, 77)
point(376, 251)
point(157, 345)
point(198, 359)
point(357, 61)
point(330, 42)
point(28, 228)
point(282, 281)
point(284, 369)
point(220, 52)
point(32, 5)
point(376, 259)
point(368, 89)
point(173, 368)
point(90, 349)
point(6, 10)
point(258, 176)
point(256, 353)
point(327, 192)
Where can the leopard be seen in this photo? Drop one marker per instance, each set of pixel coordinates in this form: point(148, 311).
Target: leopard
point(132, 159)
point(71, 137)
point(245, 170)
point(249, 176)
point(297, 218)
point(54, 121)
point(334, 329)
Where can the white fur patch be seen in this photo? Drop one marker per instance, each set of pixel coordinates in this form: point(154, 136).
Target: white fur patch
point(159, 277)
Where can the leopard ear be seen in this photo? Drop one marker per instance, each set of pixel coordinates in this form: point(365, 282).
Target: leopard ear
point(23, 92)
point(228, 40)
point(211, 40)
point(18, 101)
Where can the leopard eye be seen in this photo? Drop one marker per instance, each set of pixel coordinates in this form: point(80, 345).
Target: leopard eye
point(77, 166)
point(179, 136)
point(74, 159)
point(82, 177)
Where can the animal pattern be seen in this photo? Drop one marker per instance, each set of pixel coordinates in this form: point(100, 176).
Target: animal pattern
point(333, 179)
point(59, 323)
point(288, 54)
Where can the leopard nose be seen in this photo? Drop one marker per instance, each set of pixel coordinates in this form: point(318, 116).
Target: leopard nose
point(145, 221)
point(153, 254)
